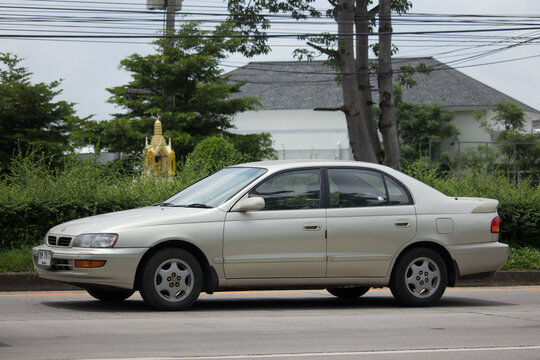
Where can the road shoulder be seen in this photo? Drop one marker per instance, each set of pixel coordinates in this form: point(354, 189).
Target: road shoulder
point(31, 282)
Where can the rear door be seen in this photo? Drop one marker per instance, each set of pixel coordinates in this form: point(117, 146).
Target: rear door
point(370, 215)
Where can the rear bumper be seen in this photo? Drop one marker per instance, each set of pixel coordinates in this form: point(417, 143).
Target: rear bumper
point(118, 271)
point(479, 260)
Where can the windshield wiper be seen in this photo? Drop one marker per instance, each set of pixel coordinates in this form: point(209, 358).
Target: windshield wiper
point(197, 205)
point(166, 204)
point(194, 205)
point(162, 204)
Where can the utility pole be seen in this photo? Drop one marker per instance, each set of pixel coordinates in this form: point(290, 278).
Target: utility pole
point(170, 7)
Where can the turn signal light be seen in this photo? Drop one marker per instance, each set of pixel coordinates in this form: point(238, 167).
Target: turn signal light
point(89, 263)
point(495, 223)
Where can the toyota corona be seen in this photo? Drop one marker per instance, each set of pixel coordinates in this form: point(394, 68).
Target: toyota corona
point(343, 226)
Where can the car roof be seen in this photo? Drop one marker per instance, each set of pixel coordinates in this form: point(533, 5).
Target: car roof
point(276, 165)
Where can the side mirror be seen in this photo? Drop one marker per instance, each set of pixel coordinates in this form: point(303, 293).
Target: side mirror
point(249, 204)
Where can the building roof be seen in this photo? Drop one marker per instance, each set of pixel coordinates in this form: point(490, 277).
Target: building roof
point(307, 85)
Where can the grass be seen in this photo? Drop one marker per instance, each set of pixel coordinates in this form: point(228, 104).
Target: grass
point(523, 258)
point(20, 260)
point(16, 260)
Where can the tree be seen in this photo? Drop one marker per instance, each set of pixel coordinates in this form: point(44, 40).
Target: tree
point(387, 122)
point(520, 149)
point(510, 115)
point(209, 156)
point(183, 84)
point(348, 52)
point(29, 116)
point(417, 124)
point(253, 147)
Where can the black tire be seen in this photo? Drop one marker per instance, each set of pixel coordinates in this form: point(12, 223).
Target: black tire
point(172, 280)
point(348, 293)
point(419, 278)
point(110, 295)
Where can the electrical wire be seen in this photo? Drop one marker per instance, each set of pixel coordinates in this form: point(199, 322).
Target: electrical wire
point(468, 37)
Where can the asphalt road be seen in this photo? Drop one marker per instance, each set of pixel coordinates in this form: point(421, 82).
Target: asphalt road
point(469, 323)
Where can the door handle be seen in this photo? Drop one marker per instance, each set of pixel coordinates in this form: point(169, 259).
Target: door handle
point(402, 223)
point(314, 226)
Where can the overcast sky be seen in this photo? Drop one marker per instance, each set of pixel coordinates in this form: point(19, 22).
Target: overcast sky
point(88, 68)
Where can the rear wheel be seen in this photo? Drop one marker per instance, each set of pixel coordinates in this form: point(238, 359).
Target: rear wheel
point(172, 280)
point(348, 293)
point(420, 278)
point(110, 295)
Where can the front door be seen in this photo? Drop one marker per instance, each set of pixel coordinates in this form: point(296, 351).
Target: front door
point(284, 240)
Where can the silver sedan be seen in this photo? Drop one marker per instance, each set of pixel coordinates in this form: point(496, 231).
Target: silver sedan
point(340, 225)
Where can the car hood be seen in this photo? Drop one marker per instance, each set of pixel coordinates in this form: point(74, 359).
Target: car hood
point(141, 217)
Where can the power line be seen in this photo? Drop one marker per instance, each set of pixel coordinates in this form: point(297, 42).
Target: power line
point(333, 81)
point(272, 35)
point(129, 22)
point(397, 61)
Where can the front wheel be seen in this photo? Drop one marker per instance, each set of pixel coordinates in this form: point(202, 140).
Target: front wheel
point(348, 293)
point(110, 295)
point(419, 278)
point(172, 280)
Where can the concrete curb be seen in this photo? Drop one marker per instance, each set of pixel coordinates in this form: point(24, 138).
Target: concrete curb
point(31, 282)
point(506, 278)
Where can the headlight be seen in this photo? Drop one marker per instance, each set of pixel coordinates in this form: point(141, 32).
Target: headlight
point(95, 240)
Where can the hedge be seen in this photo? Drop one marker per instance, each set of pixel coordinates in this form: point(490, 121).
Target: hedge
point(519, 203)
point(34, 197)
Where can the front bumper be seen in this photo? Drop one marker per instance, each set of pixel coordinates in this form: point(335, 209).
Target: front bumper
point(481, 258)
point(119, 270)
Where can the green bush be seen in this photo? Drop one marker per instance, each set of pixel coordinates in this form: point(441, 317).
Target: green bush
point(34, 197)
point(210, 155)
point(519, 203)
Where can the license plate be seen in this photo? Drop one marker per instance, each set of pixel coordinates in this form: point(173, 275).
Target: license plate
point(44, 258)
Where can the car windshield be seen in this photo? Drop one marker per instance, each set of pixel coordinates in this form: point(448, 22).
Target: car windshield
point(215, 189)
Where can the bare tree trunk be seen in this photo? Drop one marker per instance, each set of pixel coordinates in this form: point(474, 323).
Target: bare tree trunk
point(361, 20)
point(359, 132)
point(387, 122)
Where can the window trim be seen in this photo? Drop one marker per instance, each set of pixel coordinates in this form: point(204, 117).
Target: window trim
point(322, 185)
point(400, 184)
point(383, 175)
point(324, 196)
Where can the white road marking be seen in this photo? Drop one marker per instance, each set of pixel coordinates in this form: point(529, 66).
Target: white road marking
point(331, 354)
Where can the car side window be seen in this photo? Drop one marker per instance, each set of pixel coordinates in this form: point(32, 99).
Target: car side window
point(396, 193)
point(300, 189)
point(356, 188)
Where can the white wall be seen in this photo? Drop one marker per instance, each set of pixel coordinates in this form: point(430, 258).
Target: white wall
point(308, 134)
point(469, 128)
point(299, 134)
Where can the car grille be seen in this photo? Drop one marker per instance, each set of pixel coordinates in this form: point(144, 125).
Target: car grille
point(58, 241)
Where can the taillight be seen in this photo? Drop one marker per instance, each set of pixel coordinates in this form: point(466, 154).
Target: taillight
point(495, 223)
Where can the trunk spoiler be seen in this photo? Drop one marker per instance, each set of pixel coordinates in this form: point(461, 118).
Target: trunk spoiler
point(484, 205)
